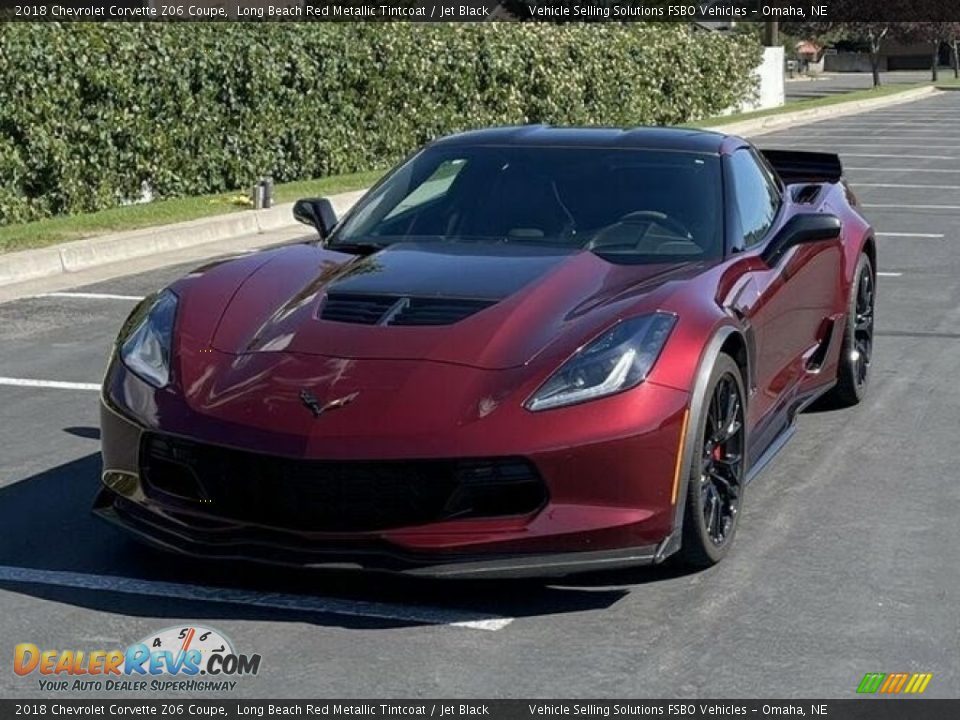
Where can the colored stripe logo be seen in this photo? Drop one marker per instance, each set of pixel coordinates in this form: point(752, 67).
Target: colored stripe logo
point(894, 683)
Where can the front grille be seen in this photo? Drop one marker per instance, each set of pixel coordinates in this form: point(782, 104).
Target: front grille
point(437, 311)
point(362, 309)
point(333, 496)
point(398, 309)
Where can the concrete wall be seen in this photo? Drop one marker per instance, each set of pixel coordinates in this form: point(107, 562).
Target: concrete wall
point(850, 62)
point(770, 88)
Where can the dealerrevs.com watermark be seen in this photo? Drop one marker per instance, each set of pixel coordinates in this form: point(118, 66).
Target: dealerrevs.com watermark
point(176, 659)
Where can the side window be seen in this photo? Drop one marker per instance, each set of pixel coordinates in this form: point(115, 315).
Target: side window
point(757, 197)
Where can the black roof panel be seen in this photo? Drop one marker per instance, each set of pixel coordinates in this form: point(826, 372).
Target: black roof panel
point(659, 138)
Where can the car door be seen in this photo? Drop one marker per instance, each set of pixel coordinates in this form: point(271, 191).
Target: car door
point(786, 306)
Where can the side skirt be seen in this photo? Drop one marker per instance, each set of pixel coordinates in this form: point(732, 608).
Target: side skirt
point(780, 441)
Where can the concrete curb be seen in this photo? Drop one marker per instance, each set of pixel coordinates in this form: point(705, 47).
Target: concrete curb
point(70, 257)
point(769, 123)
point(105, 249)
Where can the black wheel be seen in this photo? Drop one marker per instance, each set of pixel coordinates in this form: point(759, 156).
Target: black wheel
point(717, 470)
point(853, 371)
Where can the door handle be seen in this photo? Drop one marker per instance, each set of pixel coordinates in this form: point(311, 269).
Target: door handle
point(743, 299)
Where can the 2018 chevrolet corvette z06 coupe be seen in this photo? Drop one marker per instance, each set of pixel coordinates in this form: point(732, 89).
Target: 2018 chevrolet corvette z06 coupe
point(527, 350)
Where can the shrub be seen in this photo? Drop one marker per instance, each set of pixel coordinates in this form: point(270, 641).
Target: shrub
point(89, 112)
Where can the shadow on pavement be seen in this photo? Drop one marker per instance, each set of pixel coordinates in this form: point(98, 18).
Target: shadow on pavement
point(47, 525)
point(89, 433)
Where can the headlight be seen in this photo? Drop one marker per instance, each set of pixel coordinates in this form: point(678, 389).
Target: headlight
point(616, 361)
point(147, 337)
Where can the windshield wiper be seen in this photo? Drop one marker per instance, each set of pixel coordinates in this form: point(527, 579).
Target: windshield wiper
point(357, 248)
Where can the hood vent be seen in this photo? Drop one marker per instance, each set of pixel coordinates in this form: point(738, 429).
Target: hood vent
point(398, 309)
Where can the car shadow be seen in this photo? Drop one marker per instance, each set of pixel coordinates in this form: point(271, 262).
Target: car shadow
point(47, 526)
point(83, 431)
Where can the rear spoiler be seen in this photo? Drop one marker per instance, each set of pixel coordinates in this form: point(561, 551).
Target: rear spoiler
point(795, 166)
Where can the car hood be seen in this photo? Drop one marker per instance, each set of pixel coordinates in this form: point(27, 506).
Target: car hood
point(484, 305)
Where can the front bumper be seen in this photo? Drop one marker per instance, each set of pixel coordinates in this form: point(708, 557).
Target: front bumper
point(246, 544)
point(608, 503)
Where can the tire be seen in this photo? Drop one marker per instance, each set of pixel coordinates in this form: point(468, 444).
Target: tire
point(712, 505)
point(853, 369)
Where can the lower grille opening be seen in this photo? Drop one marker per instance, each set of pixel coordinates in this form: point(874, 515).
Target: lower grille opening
point(334, 496)
point(174, 479)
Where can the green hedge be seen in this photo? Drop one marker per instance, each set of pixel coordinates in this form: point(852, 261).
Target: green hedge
point(90, 111)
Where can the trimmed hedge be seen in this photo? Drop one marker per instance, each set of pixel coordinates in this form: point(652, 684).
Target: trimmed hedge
point(88, 112)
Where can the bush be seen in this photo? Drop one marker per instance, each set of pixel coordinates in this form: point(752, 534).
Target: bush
point(89, 112)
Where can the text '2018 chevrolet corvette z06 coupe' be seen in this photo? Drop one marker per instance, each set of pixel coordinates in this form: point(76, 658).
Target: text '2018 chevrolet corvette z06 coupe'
point(527, 350)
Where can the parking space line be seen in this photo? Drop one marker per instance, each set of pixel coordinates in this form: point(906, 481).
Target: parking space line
point(420, 614)
point(910, 207)
point(26, 382)
point(91, 296)
point(889, 274)
point(862, 135)
point(901, 157)
point(817, 141)
point(909, 234)
point(954, 171)
point(915, 127)
point(908, 186)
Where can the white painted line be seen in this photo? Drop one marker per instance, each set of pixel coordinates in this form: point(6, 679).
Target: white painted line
point(91, 296)
point(901, 157)
point(281, 601)
point(862, 136)
point(910, 207)
point(888, 274)
point(907, 186)
point(828, 124)
point(23, 382)
point(922, 146)
point(909, 234)
point(903, 169)
point(878, 128)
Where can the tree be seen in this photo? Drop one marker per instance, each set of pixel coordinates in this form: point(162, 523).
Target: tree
point(872, 34)
point(869, 35)
point(935, 33)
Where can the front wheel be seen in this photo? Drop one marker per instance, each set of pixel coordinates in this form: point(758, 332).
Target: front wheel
point(716, 481)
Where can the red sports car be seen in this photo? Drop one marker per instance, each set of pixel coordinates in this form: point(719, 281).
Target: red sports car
point(527, 350)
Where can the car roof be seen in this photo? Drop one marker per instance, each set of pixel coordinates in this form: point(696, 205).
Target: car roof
point(643, 137)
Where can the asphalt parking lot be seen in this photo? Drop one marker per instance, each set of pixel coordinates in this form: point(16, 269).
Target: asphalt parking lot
point(832, 83)
point(845, 561)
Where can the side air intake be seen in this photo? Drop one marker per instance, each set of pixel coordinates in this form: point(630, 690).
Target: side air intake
point(795, 166)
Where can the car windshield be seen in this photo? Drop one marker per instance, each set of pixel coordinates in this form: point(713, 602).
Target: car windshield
point(626, 205)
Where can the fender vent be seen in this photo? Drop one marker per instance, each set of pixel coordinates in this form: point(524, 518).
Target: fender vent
point(806, 194)
point(398, 309)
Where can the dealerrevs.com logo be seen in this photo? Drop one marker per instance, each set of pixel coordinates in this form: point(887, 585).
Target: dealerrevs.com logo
point(188, 659)
point(895, 683)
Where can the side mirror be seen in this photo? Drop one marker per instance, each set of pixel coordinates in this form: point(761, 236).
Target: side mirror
point(799, 230)
point(316, 212)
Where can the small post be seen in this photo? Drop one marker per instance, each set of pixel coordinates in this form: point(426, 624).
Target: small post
point(267, 191)
point(771, 33)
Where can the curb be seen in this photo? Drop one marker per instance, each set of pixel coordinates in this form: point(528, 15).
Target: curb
point(105, 249)
point(79, 255)
point(769, 123)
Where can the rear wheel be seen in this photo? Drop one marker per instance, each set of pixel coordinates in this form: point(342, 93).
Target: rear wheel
point(716, 482)
point(853, 369)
